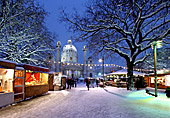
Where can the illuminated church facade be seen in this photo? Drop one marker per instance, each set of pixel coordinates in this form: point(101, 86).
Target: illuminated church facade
point(67, 62)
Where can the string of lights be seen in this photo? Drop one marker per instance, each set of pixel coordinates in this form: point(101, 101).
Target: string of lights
point(97, 65)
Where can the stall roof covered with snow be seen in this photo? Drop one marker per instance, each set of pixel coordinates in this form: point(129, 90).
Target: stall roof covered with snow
point(34, 68)
point(162, 72)
point(124, 72)
point(7, 64)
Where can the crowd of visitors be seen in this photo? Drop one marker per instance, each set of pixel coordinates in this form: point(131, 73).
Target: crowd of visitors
point(71, 82)
point(90, 82)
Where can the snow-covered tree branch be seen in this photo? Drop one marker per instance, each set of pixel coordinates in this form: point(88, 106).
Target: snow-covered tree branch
point(23, 36)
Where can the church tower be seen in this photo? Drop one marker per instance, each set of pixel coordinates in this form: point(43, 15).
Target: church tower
point(90, 68)
point(58, 56)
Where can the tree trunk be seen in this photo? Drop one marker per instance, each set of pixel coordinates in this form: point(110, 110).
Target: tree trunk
point(130, 84)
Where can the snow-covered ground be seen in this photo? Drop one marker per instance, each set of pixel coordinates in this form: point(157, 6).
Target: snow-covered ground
point(78, 102)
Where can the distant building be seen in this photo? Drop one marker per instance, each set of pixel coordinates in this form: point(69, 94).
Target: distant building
point(68, 63)
point(69, 53)
point(90, 69)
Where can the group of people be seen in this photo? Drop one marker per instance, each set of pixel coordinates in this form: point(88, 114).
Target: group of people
point(71, 83)
point(90, 83)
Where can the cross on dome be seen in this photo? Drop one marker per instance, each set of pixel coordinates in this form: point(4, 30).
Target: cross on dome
point(69, 41)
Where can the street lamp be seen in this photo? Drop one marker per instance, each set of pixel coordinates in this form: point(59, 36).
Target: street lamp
point(102, 60)
point(156, 44)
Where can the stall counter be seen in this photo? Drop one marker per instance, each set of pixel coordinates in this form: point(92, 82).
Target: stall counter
point(35, 90)
point(6, 98)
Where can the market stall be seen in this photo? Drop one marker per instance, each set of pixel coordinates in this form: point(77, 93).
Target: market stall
point(57, 81)
point(163, 79)
point(6, 82)
point(50, 81)
point(36, 80)
point(119, 78)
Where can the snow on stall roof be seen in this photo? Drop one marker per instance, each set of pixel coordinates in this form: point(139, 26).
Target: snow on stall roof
point(7, 61)
point(19, 68)
point(34, 67)
point(124, 71)
point(52, 72)
point(162, 71)
point(22, 64)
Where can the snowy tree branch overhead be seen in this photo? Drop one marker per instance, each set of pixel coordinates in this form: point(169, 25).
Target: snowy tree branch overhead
point(21, 48)
point(127, 26)
point(23, 36)
point(106, 20)
point(162, 62)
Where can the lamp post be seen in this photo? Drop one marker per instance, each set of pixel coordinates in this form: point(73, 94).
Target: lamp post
point(156, 44)
point(102, 60)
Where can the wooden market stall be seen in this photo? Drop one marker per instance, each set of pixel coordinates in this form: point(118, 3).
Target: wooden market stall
point(6, 82)
point(50, 81)
point(57, 81)
point(119, 78)
point(35, 80)
point(163, 79)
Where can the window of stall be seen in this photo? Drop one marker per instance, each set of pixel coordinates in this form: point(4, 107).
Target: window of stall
point(160, 80)
point(18, 84)
point(19, 77)
point(6, 80)
point(36, 78)
point(167, 80)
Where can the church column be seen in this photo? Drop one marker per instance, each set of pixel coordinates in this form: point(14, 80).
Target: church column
point(85, 56)
point(58, 57)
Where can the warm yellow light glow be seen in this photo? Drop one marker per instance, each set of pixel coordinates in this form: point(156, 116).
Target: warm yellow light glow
point(7, 78)
point(44, 78)
point(60, 74)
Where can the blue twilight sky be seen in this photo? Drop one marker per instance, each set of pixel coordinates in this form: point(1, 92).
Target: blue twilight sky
point(53, 24)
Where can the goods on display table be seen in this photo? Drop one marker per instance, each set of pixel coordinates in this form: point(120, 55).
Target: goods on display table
point(36, 80)
point(6, 82)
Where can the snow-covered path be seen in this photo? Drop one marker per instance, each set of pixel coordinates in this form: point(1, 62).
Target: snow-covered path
point(78, 102)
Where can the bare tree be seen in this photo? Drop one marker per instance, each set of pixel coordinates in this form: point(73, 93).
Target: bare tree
point(125, 27)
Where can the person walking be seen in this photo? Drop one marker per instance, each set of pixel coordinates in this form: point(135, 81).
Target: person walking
point(92, 82)
point(72, 82)
point(75, 82)
point(87, 83)
point(97, 82)
point(68, 83)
